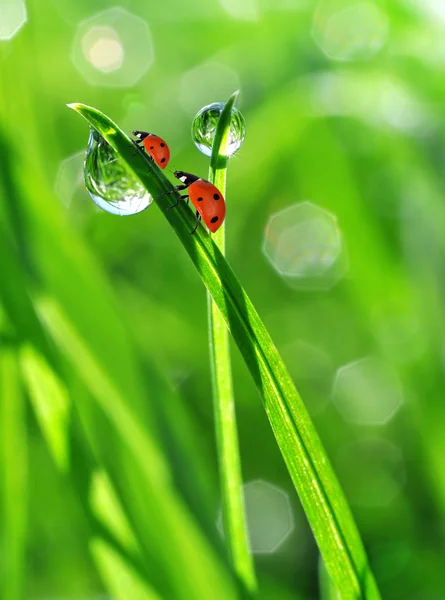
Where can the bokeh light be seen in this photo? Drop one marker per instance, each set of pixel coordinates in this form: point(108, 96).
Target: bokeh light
point(269, 515)
point(102, 47)
point(13, 15)
point(304, 244)
point(367, 391)
point(113, 48)
point(348, 31)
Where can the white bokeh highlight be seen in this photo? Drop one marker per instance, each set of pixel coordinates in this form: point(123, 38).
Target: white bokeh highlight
point(349, 31)
point(269, 516)
point(432, 9)
point(113, 48)
point(103, 48)
point(13, 15)
point(304, 245)
point(367, 392)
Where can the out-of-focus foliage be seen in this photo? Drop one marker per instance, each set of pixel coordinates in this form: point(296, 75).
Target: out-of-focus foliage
point(107, 463)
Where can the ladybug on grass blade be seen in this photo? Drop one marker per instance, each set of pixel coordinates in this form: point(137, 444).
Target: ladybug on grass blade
point(205, 197)
point(155, 146)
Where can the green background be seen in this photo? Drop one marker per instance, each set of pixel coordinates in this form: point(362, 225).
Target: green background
point(103, 325)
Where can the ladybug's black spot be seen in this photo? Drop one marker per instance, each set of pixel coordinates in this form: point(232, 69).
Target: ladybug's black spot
point(200, 199)
point(162, 160)
point(214, 219)
point(216, 196)
point(162, 145)
point(151, 147)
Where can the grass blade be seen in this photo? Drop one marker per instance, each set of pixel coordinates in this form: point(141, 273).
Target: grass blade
point(122, 581)
point(234, 520)
point(51, 403)
point(319, 490)
point(13, 503)
point(327, 590)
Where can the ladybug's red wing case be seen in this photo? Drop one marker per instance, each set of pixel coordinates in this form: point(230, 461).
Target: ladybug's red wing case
point(157, 149)
point(155, 146)
point(209, 202)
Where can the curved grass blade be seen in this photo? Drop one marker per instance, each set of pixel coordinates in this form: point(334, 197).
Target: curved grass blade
point(319, 490)
point(234, 520)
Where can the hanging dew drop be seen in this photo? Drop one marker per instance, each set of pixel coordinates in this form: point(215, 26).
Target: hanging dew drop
point(204, 127)
point(109, 181)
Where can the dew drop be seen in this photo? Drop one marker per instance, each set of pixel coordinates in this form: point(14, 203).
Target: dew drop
point(109, 182)
point(204, 127)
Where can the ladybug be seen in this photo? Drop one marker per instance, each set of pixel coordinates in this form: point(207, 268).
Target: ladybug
point(155, 146)
point(205, 197)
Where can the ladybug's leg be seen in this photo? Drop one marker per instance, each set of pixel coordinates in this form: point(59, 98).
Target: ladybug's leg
point(198, 218)
point(178, 188)
point(177, 202)
point(139, 148)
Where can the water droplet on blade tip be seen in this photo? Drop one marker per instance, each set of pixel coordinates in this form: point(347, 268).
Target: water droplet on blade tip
point(204, 128)
point(109, 182)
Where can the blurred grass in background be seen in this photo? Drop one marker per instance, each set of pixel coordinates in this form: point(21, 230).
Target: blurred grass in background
point(108, 483)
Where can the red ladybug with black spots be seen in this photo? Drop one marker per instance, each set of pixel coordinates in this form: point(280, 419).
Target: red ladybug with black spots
point(206, 198)
point(155, 146)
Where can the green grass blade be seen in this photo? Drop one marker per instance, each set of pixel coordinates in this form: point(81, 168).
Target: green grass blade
point(234, 520)
point(177, 558)
point(319, 490)
point(13, 503)
point(51, 403)
point(327, 590)
point(174, 548)
point(122, 581)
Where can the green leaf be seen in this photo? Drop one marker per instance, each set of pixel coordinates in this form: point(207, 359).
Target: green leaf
point(319, 490)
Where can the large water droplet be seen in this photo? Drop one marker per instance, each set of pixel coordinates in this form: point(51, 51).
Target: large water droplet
point(109, 181)
point(204, 127)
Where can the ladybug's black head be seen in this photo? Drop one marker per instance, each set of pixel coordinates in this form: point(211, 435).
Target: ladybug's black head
point(186, 178)
point(141, 135)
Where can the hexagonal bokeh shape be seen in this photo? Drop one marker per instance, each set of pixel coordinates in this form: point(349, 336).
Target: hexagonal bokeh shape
point(381, 481)
point(348, 31)
point(305, 246)
point(269, 516)
point(113, 48)
point(367, 392)
point(13, 15)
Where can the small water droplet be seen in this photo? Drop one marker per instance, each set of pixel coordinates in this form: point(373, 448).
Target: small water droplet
point(204, 127)
point(109, 181)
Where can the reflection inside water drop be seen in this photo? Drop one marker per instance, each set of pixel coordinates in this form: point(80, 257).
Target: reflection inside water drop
point(109, 181)
point(204, 127)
